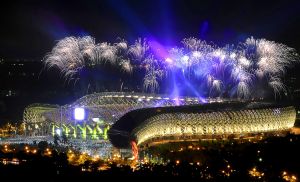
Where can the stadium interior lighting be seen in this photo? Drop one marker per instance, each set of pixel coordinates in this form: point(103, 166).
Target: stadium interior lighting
point(79, 114)
point(96, 120)
point(58, 131)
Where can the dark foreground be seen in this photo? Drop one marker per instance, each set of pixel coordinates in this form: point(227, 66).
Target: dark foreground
point(272, 159)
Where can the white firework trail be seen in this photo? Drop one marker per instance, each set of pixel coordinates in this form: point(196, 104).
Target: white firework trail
point(87, 47)
point(229, 67)
point(126, 66)
point(243, 90)
point(276, 84)
point(121, 45)
point(194, 44)
point(151, 79)
point(269, 61)
point(106, 52)
point(139, 49)
point(216, 87)
point(66, 56)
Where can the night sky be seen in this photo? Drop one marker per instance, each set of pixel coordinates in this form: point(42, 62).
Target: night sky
point(29, 29)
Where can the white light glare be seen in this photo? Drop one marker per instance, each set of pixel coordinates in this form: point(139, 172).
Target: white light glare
point(58, 131)
point(79, 114)
point(96, 119)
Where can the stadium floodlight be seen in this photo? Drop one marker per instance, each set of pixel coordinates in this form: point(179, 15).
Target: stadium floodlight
point(96, 119)
point(79, 113)
point(58, 131)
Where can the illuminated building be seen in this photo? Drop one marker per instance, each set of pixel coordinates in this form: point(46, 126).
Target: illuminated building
point(155, 119)
point(91, 116)
point(206, 121)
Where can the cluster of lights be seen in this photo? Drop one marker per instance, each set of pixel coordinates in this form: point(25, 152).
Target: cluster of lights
point(288, 177)
point(87, 131)
point(214, 123)
point(48, 152)
point(62, 118)
point(255, 173)
point(5, 147)
point(228, 171)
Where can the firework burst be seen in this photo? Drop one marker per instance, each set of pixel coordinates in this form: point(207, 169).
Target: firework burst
point(231, 70)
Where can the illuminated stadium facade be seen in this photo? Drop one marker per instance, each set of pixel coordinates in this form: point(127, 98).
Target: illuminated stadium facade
point(228, 119)
point(101, 111)
point(117, 119)
point(218, 124)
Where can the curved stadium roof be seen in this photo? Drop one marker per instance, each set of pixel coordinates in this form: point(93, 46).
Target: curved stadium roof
point(111, 106)
point(199, 121)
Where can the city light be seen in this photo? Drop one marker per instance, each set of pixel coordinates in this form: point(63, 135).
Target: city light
point(288, 177)
point(255, 173)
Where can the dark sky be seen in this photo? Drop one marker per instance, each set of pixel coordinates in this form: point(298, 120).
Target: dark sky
point(29, 29)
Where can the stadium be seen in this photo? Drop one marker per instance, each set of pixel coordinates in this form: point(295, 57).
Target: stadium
point(97, 112)
point(208, 121)
point(227, 84)
point(151, 119)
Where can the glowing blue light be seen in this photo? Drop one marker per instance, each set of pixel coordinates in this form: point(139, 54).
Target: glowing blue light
point(79, 114)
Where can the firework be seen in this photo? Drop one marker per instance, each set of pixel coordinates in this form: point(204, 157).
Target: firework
point(139, 49)
point(66, 56)
point(232, 70)
point(153, 74)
